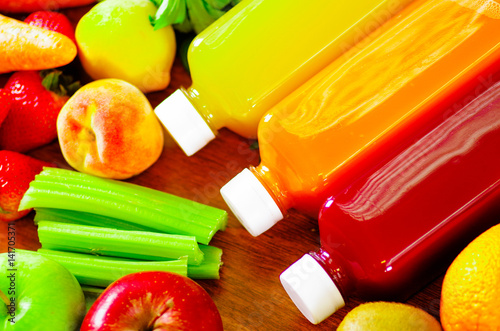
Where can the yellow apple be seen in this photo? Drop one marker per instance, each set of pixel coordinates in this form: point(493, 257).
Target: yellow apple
point(108, 129)
point(116, 40)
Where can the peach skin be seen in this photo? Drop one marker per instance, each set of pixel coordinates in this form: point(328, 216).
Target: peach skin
point(108, 129)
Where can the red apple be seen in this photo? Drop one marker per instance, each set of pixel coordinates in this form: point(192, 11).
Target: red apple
point(153, 301)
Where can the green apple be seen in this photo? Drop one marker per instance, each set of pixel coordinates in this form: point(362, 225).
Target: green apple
point(117, 40)
point(38, 294)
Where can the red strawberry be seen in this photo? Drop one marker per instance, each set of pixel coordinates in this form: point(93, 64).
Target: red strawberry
point(16, 172)
point(4, 104)
point(31, 121)
point(52, 20)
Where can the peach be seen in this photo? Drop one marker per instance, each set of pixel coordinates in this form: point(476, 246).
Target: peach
point(108, 129)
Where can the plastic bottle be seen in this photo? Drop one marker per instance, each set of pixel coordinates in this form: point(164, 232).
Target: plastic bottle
point(401, 224)
point(358, 109)
point(255, 55)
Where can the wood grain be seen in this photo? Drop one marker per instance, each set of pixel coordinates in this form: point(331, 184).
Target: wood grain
point(249, 294)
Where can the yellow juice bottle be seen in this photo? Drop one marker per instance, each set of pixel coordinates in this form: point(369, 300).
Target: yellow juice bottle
point(255, 55)
point(365, 104)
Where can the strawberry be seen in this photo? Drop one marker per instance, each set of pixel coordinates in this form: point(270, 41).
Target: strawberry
point(4, 104)
point(16, 172)
point(28, 6)
point(31, 121)
point(54, 21)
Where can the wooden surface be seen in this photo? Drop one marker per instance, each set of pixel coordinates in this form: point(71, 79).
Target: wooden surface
point(248, 294)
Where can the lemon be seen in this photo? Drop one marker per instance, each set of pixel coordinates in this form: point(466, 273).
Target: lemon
point(116, 40)
point(388, 316)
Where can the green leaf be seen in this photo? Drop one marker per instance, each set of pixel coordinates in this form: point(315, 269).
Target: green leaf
point(198, 15)
point(55, 81)
point(254, 145)
point(50, 79)
point(219, 4)
point(189, 15)
point(169, 12)
point(184, 27)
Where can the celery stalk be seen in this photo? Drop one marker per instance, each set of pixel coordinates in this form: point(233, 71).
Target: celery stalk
point(146, 194)
point(91, 289)
point(83, 218)
point(101, 271)
point(210, 267)
point(141, 245)
point(183, 211)
point(66, 189)
point(91, 294)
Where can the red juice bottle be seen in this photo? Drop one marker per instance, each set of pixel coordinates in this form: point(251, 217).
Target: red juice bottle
point(401, 224)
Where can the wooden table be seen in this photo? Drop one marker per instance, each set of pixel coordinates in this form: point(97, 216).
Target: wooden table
point(248, 294)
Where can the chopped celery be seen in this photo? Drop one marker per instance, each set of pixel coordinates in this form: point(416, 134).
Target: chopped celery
point(101, 271)
point(141, 245)
point(83, 218)
point(96, 290)
point(145, 194)
point(209, 268)
point(67, 189)
point(91, 293)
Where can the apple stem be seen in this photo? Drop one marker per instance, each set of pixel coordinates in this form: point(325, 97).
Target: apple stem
point(4, 298)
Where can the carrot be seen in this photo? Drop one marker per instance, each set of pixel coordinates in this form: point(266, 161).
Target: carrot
point(27, 47)
point(29, 6)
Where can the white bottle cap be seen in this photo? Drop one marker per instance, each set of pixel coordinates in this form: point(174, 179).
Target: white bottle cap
point(311, 289)
point(251, 203)
point(184, 123)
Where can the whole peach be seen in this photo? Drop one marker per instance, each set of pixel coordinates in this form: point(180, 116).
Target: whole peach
point(108, 129)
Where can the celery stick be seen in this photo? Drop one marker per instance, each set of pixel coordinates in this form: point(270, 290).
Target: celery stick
point(177, 214)
point(138, 192)
point(65, 189)
point(91, 294)
point(101, 271)
point(141, 245)
point(83, 218)
point(96, 290)
point(210, 267)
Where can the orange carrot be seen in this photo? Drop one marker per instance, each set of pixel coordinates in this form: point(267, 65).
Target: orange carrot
point(27, 47)
point(29, 6)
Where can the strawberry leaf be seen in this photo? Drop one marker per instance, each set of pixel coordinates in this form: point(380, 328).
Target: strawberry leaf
point(55, 81)
point(51, 79)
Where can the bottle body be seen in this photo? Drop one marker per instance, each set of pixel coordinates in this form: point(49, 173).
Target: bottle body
point(401, 224)
point(359, 108)
point(257, 54)
point(261, 50)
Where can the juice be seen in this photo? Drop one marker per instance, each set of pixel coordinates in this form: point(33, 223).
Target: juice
point(255, 55)
point(401, 224)
point(361, 106)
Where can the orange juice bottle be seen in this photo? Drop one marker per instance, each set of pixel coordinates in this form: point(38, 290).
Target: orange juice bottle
point(357, 109)
point(255, 55)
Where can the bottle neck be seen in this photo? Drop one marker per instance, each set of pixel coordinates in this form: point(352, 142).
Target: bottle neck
point(273, 185)
point(208, 109)
point(337, 270)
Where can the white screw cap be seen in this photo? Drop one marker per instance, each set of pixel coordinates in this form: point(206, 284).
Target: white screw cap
point(184, 123)
point(251, 203)
point(311, 289)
